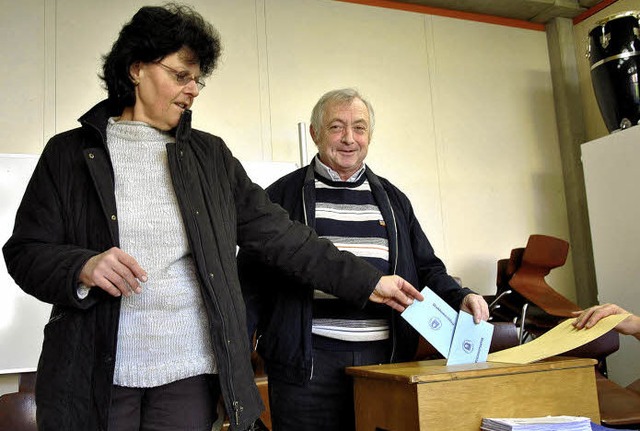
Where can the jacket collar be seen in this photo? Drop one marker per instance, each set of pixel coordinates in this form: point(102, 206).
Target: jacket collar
point(97, 117)
point(328, 173)
point(183, 130)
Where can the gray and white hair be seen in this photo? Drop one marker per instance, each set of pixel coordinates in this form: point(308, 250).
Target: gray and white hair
point(344, 95)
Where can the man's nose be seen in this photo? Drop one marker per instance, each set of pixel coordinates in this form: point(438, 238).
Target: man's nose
point(347, 135)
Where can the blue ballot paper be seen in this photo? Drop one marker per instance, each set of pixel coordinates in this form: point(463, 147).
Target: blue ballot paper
point(434, 319)
point(453, 334)
point(470, 341)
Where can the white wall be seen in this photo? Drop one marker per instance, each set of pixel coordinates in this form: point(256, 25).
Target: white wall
point(22, 24)
point(465, 124)
point(499, 164)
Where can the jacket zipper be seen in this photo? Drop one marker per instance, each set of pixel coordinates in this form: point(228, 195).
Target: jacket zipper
point(306, 222)
point(236, 405)
point(395, 268)
point(395, 233)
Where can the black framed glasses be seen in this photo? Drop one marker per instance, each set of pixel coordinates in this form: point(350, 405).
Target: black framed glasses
point(184, 77)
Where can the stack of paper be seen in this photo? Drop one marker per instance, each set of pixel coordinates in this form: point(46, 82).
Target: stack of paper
point(547, 423)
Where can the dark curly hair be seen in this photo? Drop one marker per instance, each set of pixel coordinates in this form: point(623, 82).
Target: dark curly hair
point(153, 33)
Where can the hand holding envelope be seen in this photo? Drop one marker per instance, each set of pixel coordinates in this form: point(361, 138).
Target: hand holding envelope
point(560, 339)
point(453, 334)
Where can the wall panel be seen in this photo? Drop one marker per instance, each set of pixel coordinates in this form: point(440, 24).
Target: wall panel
point(496, 135)
point(22, 49)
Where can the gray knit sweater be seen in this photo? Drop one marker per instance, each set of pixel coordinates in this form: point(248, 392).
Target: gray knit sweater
point(163, 334)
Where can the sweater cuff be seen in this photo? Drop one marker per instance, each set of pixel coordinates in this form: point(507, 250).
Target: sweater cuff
point(82, 291)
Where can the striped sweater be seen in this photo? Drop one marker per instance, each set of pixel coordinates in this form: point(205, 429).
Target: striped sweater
point(347, 215)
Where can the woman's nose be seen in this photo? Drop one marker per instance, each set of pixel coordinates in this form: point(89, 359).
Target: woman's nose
point(192, 88)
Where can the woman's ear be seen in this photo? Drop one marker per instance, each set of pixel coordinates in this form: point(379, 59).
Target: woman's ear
point(134, 73)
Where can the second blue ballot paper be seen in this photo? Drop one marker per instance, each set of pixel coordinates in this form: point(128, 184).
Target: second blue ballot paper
point(453, 334)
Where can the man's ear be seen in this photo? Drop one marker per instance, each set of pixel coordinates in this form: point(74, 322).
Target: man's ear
point(313, 134)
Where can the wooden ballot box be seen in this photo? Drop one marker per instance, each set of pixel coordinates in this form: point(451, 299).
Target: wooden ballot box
point(428, 395)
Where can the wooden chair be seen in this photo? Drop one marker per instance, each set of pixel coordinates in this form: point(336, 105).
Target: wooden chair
point(635, 387)
point(619, 406)
point(541, 255)
point(18, 409)
point(523, 295)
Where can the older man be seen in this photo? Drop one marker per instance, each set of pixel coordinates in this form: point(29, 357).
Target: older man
point(306, 337)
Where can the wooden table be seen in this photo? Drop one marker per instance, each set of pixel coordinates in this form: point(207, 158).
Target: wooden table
point(428, 395)
point(619, 406)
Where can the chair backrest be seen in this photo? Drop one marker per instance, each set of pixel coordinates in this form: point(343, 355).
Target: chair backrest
point(541, 255)
point(18, 412)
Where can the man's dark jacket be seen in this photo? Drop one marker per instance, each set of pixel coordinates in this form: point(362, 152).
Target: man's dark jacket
point(68, 214)
point(282, 313)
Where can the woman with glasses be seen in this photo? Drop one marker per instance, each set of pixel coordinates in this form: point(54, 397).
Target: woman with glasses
point(129, 227)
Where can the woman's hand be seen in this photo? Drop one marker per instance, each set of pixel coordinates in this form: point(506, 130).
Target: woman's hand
point(115, 272)
point(396, 292)
point(589, 317)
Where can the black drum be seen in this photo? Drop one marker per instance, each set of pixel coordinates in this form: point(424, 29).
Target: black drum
point(613, 51)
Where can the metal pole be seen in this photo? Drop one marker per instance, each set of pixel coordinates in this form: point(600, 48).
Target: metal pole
point(302, 138)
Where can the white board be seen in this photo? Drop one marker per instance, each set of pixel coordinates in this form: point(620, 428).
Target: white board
point(22, 317)
point(265, 173)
